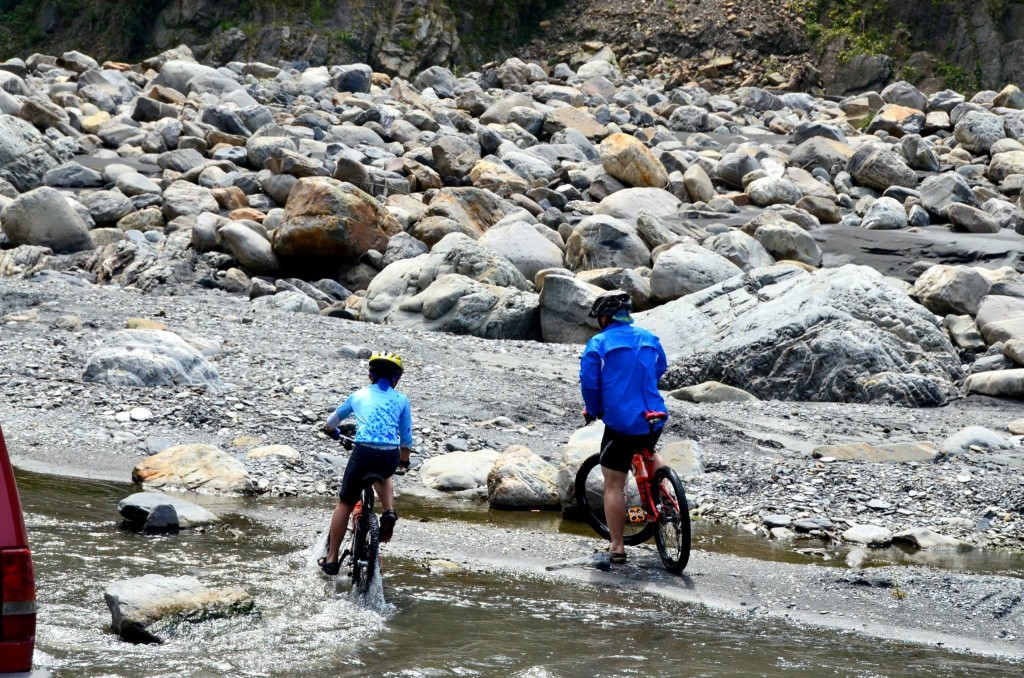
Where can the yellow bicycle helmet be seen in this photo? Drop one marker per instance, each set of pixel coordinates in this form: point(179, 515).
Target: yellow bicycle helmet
point(389, 361)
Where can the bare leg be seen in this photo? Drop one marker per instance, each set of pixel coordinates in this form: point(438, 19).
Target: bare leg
point(386, 492)
point(339, 526)
point(615, 506)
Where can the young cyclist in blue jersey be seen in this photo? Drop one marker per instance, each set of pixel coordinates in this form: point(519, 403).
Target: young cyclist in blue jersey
point(619, 374)
point(383, 443)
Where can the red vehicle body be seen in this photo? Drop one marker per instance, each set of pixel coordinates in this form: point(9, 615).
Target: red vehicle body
point(17, 580)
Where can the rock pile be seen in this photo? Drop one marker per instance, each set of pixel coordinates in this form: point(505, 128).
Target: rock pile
point(499, 203)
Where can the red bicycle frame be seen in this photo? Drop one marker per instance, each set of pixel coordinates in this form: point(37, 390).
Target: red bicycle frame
point(643, 470)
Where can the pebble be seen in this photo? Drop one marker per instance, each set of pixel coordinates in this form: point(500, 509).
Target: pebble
point(141, 414)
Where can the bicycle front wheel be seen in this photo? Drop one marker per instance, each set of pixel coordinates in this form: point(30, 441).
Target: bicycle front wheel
point(590, 500)
point(365, 553)
point(672, 534)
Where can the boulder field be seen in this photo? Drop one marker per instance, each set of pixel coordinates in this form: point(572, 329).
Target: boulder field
point(499, 203)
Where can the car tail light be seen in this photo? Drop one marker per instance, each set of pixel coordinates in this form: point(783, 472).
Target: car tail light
point(18, 612)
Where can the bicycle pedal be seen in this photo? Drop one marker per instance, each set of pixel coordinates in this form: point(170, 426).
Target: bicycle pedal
point(636, 515)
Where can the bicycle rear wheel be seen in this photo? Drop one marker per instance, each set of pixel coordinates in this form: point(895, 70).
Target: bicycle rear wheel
point(590, 499)
point(672, 534)
point(365, 552)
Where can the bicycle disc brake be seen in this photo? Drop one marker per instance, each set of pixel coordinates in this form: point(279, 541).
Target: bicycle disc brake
point(636, 514)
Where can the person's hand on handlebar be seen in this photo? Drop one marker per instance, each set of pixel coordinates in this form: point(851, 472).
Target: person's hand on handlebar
point(403, 462)
point(330, 431)
point(588, 417)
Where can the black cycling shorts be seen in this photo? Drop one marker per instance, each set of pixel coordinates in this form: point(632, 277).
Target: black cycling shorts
point(617, 449)
point(363, 462)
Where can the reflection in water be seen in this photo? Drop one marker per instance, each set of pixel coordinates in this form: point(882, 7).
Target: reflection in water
point(457, 624)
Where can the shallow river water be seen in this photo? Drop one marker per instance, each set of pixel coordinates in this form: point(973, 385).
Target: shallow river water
point(457, 624)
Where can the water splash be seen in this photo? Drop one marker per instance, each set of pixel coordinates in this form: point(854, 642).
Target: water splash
point(372, 600)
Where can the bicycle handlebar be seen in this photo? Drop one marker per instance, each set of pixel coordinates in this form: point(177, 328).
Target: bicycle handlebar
point(345, 440)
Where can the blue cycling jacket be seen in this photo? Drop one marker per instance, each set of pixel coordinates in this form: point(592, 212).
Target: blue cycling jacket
point(383, 418)
point(619, 374)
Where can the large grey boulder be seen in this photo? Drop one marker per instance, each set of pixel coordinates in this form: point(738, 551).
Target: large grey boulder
point(604, 242)
point(523, 245)
point(403, 246)
point(287, 302)
point(769, 191)
point(26, 155)
point(902, 93)
point(1001, 318)
point(951, 289)
point(460, 305)
point(389, 296)
point(194, 467)
point(107, 207)
point(565, 304)
point(978, 130)
point(979, 437)
point(880, 168)
point(885, 214)
point(949, 188)
point(136, 509)
point(397, 282)
point(73, 175)
point(185, 199)
point(520, 479)
point(972, 219)
point(1006, 213)
point(461, 472)
point(819, 152)
point(627, 204)
point(250, 248)
point(148, 609)
point(844, 335)
point(787, 241)
point(923, 538)
point(868, 535)
point(177, 74)
point(1004, 164)
point(150, 358)
point(733, 167)
point(24, 261)
point(998, 384)
point(458, 253)
point(454, 156)
point(352, 78)
point(740, 249)
point(685, 269)
point(44, 218)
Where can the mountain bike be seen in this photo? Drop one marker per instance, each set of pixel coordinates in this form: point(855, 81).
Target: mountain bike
point(363, 547)
point(655, 503)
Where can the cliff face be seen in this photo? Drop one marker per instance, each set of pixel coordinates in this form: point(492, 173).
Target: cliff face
point(840, 46)
point(967, 44)
point(396, 36)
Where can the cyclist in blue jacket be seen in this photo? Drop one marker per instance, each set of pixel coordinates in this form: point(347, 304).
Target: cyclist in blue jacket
point(619, 374)
point(383, 443)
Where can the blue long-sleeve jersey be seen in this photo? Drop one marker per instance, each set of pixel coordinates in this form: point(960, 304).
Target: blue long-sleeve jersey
point(383, 418)
point(619, 374)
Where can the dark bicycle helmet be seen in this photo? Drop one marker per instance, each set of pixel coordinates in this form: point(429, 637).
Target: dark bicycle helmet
point(611, 303)
point(386, 364)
